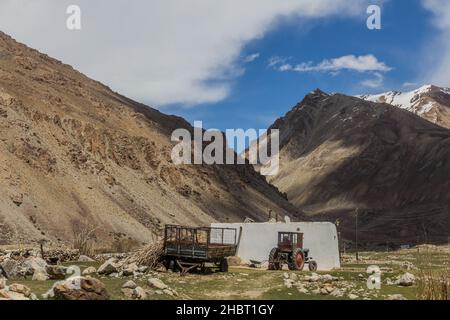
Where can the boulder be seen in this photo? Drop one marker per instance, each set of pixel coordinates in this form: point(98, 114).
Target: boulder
point(21, 289)
point(89, 270)
point(84, 258)
point(40, 275)
point(406, 280)
point(33, 264)
point(130, 269)
point(2, 283)
point(10, 268)
point(56, 272)
point(79, 288)
point(129, 285)
point(396, 297)
point(108, 267)
point(139, 293)
point(157, 284)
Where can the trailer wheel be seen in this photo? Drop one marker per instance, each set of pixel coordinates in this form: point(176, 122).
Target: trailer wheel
point(297, 260)
point(273, 257)
point(172, 265)
point(312, 266)
point(224, 265)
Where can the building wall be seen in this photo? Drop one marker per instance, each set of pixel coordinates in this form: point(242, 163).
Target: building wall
point(259, 238)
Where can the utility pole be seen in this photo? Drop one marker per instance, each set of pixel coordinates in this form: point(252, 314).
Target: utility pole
point(356, 235)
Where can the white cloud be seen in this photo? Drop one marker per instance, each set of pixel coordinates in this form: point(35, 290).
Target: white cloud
point(376, 82)
point(251, 57)
point(285, 67)
point(350, 62)
point(437, 54)
point(159, 51)
point(410, 84)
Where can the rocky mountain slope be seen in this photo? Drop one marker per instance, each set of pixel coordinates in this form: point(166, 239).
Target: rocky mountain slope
point(430, 102)
point(340, 153)
point(75, 155)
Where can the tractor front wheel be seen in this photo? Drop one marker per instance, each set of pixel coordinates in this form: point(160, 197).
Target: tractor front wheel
point(312, 266)
point(273, 260)
point(297, 261)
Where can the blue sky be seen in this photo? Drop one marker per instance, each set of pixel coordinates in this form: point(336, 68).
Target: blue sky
point(262, 93)
point(189, 58)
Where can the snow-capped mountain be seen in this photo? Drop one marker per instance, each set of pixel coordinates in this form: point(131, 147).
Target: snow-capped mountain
point(429, 102)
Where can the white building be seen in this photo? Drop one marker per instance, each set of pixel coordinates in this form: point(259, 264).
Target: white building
point(258, 239)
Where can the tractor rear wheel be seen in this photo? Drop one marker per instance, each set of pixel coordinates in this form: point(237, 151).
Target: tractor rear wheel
point(273, 258)
point(297, 261)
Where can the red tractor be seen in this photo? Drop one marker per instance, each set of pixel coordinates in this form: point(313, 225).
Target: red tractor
point(290, 251)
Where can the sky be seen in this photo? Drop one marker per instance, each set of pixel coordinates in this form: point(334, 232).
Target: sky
point(240, 64)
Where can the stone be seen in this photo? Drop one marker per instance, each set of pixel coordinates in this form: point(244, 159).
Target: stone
point(20, 288)
point(84, 258)
point(11, 295)
point(40, 275)
point(327, 278)
point(139, 293)
point(130, 269)
point(234, 261)
point(168, 292)
point(2, 283)
point(56, 272)
point(293, 277)
point(10, 268)
point(80, 288)
point(314, 277)
point(406, 280)
point(129, 285)
point(352, 296)
point(108, 267)
point(33, 264)
point(127, 292)
point(157, 284)
point(88, 271)
point(337, 293)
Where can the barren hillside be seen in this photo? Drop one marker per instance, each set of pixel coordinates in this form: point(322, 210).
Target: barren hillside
point(75, 154)
point(340, 153)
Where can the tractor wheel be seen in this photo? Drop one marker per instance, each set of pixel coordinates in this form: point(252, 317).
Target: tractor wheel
point(224, 265)
point(312, 266)
point(297, 261)
point(273, 256)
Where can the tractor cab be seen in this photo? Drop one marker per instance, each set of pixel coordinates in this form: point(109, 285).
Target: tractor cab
point(290, 251)
point(289, 241)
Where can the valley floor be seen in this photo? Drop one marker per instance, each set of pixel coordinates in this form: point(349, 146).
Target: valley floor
point(349, 282)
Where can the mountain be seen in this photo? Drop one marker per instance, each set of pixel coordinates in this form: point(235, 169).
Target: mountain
point(430, 102)
point(341, 154)
point(75, 156)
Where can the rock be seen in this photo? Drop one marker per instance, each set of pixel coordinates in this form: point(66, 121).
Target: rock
point(40, 275)
point(88, 271)
point(337, 293)
point(2, 283)
point(80, 288)
point(396, 297)
point(130, 269)
point(17, 199)
point(293, 277)
point(11, 295)
point(108, 267)
point(303, 290)
point(20, 288)
point(139, 293)
point(56, 272)
point(327, 278)
point(157, 284)
point(406, 280)
point(352, 296)
point(168, 292)
point(10, 268)
point(314, 277)
point(129, 285)
point(33, 264)
point(84, 258)
point(286, 275)
point(127, 292)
